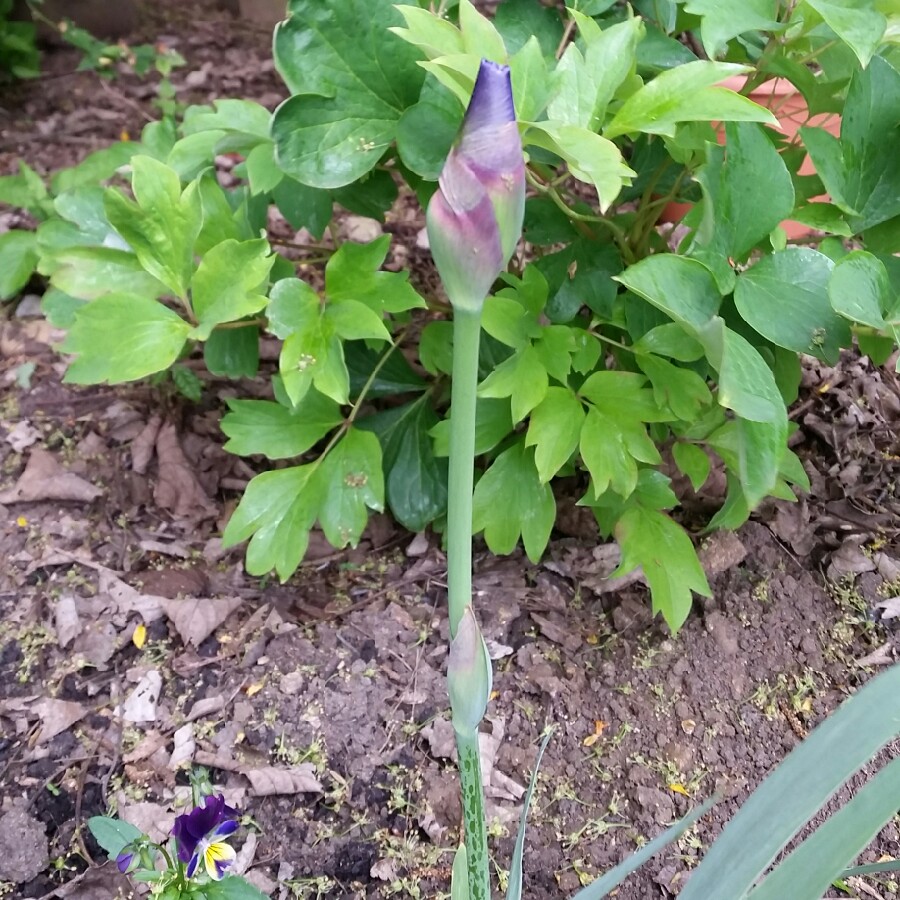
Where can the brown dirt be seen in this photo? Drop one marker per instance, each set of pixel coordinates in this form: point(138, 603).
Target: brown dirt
point(329, 689)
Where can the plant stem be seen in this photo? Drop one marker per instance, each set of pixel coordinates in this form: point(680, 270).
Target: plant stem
point(466, 339)
point(473, 816)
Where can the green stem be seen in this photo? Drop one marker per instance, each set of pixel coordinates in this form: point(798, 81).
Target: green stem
point(466, 340)
point(473, 816)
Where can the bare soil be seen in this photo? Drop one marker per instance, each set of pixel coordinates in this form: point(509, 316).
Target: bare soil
point(319, 705)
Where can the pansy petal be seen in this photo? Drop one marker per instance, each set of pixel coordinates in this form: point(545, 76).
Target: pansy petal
point(217, 857)
point(223, 829)
point(192, 865)
point(123, 862)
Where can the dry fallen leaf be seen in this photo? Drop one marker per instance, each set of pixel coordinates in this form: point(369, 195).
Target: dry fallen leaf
point(57, 716)
point(270, 780)
point(178, 489)
point(140, 704)
point(143, 445)
point(22, 436)
point(196, 618)
point(45, 479)
point(66, 619)
point(183, 751)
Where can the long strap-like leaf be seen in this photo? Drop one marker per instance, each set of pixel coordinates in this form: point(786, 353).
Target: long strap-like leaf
point(614, 877)
point(514, 888)
point(810, 869)
point(797, 789)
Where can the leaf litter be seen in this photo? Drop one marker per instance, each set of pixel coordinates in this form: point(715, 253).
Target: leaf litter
point(319, 705)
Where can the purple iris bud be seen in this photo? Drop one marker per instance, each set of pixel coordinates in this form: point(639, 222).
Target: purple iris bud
point(475, 217)
point(193, 831)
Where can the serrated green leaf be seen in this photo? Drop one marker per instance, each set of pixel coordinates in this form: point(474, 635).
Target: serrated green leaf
point(232, 887)
point(123, 337)
point(353, 483)
point(591, 158)
point(722, 20)
point(187, 382)
point(522, 378)
point(682, 288)
point(650, 539)
point(96, 167)
point(480, 37)
point(493, 422)
point(681, 390)
point(861, 171)
point(233, 352)
point(90, 272)
point(60, 308)
point(436, 347)
point(190, 155)
point(263, 172)
point(353, 321)
point(604, 453)
point(18, 258)
point(747, 190)
point(293, 306)
point(415, 480)
point(352, 80)
point(426, 130)
point(25, 189)
point(693, 462)
point(220, 221)
point(276, 512)
point(670, 340)
point(504, 318)
point(530, 78)
point(394, 376)
point(230, 283)
point(510, 501)
point(162, 226)
point(113, 835)
point(586, 83)
point(785, 298)
point(272, 430)
point(372, 196)
point(433, 35)
point(686, 93)
point(624, 395)
point(554, 429)
point(856, 22)
point(303, 206)
point(859, 288)
point(353, 273)
point(246, 117)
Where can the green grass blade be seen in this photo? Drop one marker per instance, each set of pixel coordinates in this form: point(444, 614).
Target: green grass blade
point(514, 888)
point(614, 877)
point(820, 859)
point(797, 789)
point(892, 865)
point(459, 878)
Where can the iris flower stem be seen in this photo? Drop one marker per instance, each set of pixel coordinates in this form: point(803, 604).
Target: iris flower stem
point(466, 342)
point(466, 339)
point(473, 816)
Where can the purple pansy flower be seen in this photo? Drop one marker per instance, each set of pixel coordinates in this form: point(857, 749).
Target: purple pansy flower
point(198, 836)
point(475, 217)
point(124, 861)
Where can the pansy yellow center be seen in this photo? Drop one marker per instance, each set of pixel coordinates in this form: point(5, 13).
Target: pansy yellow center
point(217, 856)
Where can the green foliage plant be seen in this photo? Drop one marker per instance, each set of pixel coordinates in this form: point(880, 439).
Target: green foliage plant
point(600, 353)
point(605, 354)
point(19, 54)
